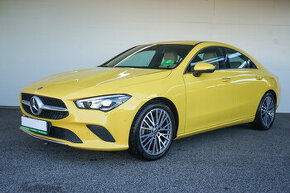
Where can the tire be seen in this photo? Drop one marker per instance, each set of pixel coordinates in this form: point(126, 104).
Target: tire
point(148, 141)
point(266, 113)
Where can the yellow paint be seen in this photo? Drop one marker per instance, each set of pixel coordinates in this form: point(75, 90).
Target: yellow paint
point(211, 101)
point(203, 66)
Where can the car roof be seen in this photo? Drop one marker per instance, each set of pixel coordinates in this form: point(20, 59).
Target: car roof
point(177, 42)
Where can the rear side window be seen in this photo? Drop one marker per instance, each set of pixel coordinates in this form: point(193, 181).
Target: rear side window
point(237, 60)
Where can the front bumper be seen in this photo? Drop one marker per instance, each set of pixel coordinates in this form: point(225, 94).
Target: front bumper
point(89, 145)
point(117, 122)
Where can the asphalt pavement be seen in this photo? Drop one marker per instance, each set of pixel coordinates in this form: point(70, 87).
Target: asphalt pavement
point(233, 159)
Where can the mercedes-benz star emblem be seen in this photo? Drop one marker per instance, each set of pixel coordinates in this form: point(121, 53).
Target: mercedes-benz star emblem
point(36, 105)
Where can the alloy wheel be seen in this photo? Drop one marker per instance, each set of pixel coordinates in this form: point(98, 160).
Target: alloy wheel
point(156, 131)
point(268, 111)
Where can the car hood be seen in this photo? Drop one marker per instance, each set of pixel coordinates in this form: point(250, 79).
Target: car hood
point(93, 81)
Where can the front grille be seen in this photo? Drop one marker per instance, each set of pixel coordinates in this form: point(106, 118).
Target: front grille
point(47, 114)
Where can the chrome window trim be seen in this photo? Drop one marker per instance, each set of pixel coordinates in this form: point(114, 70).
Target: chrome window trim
point(224, 47)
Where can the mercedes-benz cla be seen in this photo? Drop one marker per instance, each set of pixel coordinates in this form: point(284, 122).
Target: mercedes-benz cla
point(149, 95)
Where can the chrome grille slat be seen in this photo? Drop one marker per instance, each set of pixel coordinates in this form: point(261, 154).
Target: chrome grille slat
point(47, 107)
point(52, 108)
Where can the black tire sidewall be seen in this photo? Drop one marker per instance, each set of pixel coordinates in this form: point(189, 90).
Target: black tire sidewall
point(258, 123)
point(135, 143)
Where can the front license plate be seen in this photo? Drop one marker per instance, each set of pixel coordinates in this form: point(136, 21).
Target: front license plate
point(35, 125)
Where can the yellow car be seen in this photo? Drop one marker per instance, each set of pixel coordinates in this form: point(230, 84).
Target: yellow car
point(149, 95)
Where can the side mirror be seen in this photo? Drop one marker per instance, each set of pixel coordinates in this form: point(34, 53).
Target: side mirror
point(203, 67)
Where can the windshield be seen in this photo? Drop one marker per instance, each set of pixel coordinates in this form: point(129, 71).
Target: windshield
point(151, 56)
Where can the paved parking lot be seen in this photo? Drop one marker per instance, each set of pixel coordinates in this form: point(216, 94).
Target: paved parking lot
point(235, 159)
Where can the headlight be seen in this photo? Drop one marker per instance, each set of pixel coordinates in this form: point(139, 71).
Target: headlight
point(103, 103)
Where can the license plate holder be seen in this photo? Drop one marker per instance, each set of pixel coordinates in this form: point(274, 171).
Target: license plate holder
point(35, 125)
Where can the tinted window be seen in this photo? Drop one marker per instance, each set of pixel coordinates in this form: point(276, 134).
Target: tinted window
point(151, 56)
point(212, 55)
point(141, 59)
point(237, 60)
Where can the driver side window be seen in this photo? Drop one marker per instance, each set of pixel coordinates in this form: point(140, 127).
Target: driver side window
point(212, 55)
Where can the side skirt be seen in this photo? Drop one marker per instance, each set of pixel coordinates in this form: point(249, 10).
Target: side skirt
point(219, 126)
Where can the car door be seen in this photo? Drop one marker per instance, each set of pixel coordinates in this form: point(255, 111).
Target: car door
point(209, 97)
point(247, 82)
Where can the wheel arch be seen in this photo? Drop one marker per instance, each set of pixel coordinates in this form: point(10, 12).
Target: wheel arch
point(168, 103)
point(274, 94)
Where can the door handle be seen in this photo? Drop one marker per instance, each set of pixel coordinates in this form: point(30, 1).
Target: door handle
point(226, 79)
point(259, 77)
